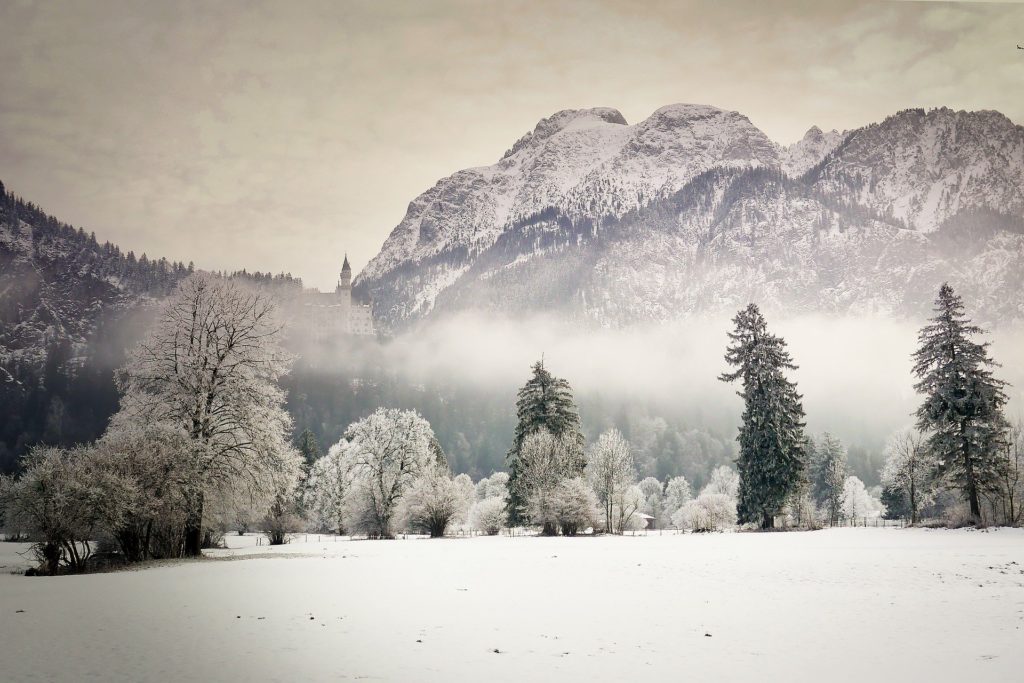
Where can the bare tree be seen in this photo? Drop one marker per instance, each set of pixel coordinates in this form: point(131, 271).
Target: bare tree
point(210, 367)
point(1011, 479)
point(611, 472)
point(910, 468)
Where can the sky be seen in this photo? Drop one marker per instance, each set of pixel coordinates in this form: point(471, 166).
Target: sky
point(277, 136)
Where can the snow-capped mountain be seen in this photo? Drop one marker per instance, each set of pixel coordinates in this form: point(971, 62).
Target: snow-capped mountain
point(695, 209)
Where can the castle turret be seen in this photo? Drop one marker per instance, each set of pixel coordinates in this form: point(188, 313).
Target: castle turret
point(345, 281)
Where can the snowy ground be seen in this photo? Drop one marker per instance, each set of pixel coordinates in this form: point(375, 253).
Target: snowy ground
point(838, 605)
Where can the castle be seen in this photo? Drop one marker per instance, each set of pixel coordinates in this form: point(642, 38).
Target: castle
point(331, 314)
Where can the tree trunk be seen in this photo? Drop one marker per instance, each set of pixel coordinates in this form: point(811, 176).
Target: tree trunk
point(768, 522)
point(194, 528)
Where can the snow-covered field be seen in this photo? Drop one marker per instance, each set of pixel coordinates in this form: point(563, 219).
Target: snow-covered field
point(837, 605)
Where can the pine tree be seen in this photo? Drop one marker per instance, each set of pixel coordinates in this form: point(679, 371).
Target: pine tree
point(309, 447)
point(963, 406)
point(772, 456)
point(544, 402)
point(829, 476)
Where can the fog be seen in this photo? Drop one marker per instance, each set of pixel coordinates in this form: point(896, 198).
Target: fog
point(854, 372)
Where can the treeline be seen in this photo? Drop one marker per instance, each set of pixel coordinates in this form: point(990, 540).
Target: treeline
point(202, 444)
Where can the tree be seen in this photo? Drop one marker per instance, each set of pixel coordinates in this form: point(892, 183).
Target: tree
point(433, 501)
point(389, 449)
point(210, 366)
point(723, 480)
point(772, 444)
point(545, 402)
point(710, 511)
point(828, 476)
point(64, 500)
point(962, 412)
point(654, 499)
point(677, 494)
point(909, 469)
point(545, 461)
point(149, 457)
point(858, 503)
point(281, 518)
point(488, 515)
point(309, 447)
point(611, 473)
point(1011, 481)
point(327, 486)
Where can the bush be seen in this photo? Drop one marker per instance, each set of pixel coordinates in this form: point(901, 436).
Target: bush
point(65, 501)
point(570, 506)
point(488, 515)
point(708, 512)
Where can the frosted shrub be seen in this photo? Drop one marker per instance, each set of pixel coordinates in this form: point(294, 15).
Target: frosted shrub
point(64, 501)
point(432, 502)
point(488, 515)
point(708, 512)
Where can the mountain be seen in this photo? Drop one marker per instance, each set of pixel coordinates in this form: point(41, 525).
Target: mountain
point(695, 210)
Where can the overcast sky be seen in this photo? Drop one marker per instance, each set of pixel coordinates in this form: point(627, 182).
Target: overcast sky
point(276, 136)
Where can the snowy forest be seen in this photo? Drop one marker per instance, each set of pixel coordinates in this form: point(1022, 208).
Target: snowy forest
point(202, 446)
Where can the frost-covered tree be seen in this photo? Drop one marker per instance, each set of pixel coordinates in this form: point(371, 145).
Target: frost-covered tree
point(724, 480)
point(389, 449)
point(909, 469)
point(710, 511)
point(282, 518)
point(1010, 490)
point(149, 457)
point(210, 366)
point(858, 503)
point(467, 496)
point(494, 486)
point(828, 476)
point(327, 486)
point(611, 473)
point(434, 501)
point(576, 506)
point(64, 500)
point(488, 515)
point(772, 443)
point(654, 499)
point(546, 403)
point(545, 461)
point(962, 412)
point(677, 494)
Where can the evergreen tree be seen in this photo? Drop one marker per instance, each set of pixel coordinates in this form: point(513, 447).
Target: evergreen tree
point(963, 406)
point(309, 447)
point(772, 456)
point(828, 476)
point(544, 402)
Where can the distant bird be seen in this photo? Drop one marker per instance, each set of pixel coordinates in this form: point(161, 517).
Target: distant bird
point(1020, 48)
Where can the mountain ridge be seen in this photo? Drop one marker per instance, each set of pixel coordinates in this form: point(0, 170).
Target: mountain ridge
point(916, 171)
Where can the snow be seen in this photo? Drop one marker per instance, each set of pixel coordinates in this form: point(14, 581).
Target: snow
point(841, 604)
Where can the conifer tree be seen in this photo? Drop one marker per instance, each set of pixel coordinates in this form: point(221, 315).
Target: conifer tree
point(544, 402)
point(309, 447)
point(962, 410)
point(772, 456)
point(829, 476)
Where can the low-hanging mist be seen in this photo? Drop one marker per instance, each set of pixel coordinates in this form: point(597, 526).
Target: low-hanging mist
point(463, 371)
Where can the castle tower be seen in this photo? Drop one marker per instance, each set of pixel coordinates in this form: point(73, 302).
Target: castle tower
point(345, 281)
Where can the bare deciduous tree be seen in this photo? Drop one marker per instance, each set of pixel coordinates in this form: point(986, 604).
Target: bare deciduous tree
point(210, 367)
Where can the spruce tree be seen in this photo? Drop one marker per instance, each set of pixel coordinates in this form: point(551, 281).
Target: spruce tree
point(772, 457)
point(544, 402)
point(962, 410)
